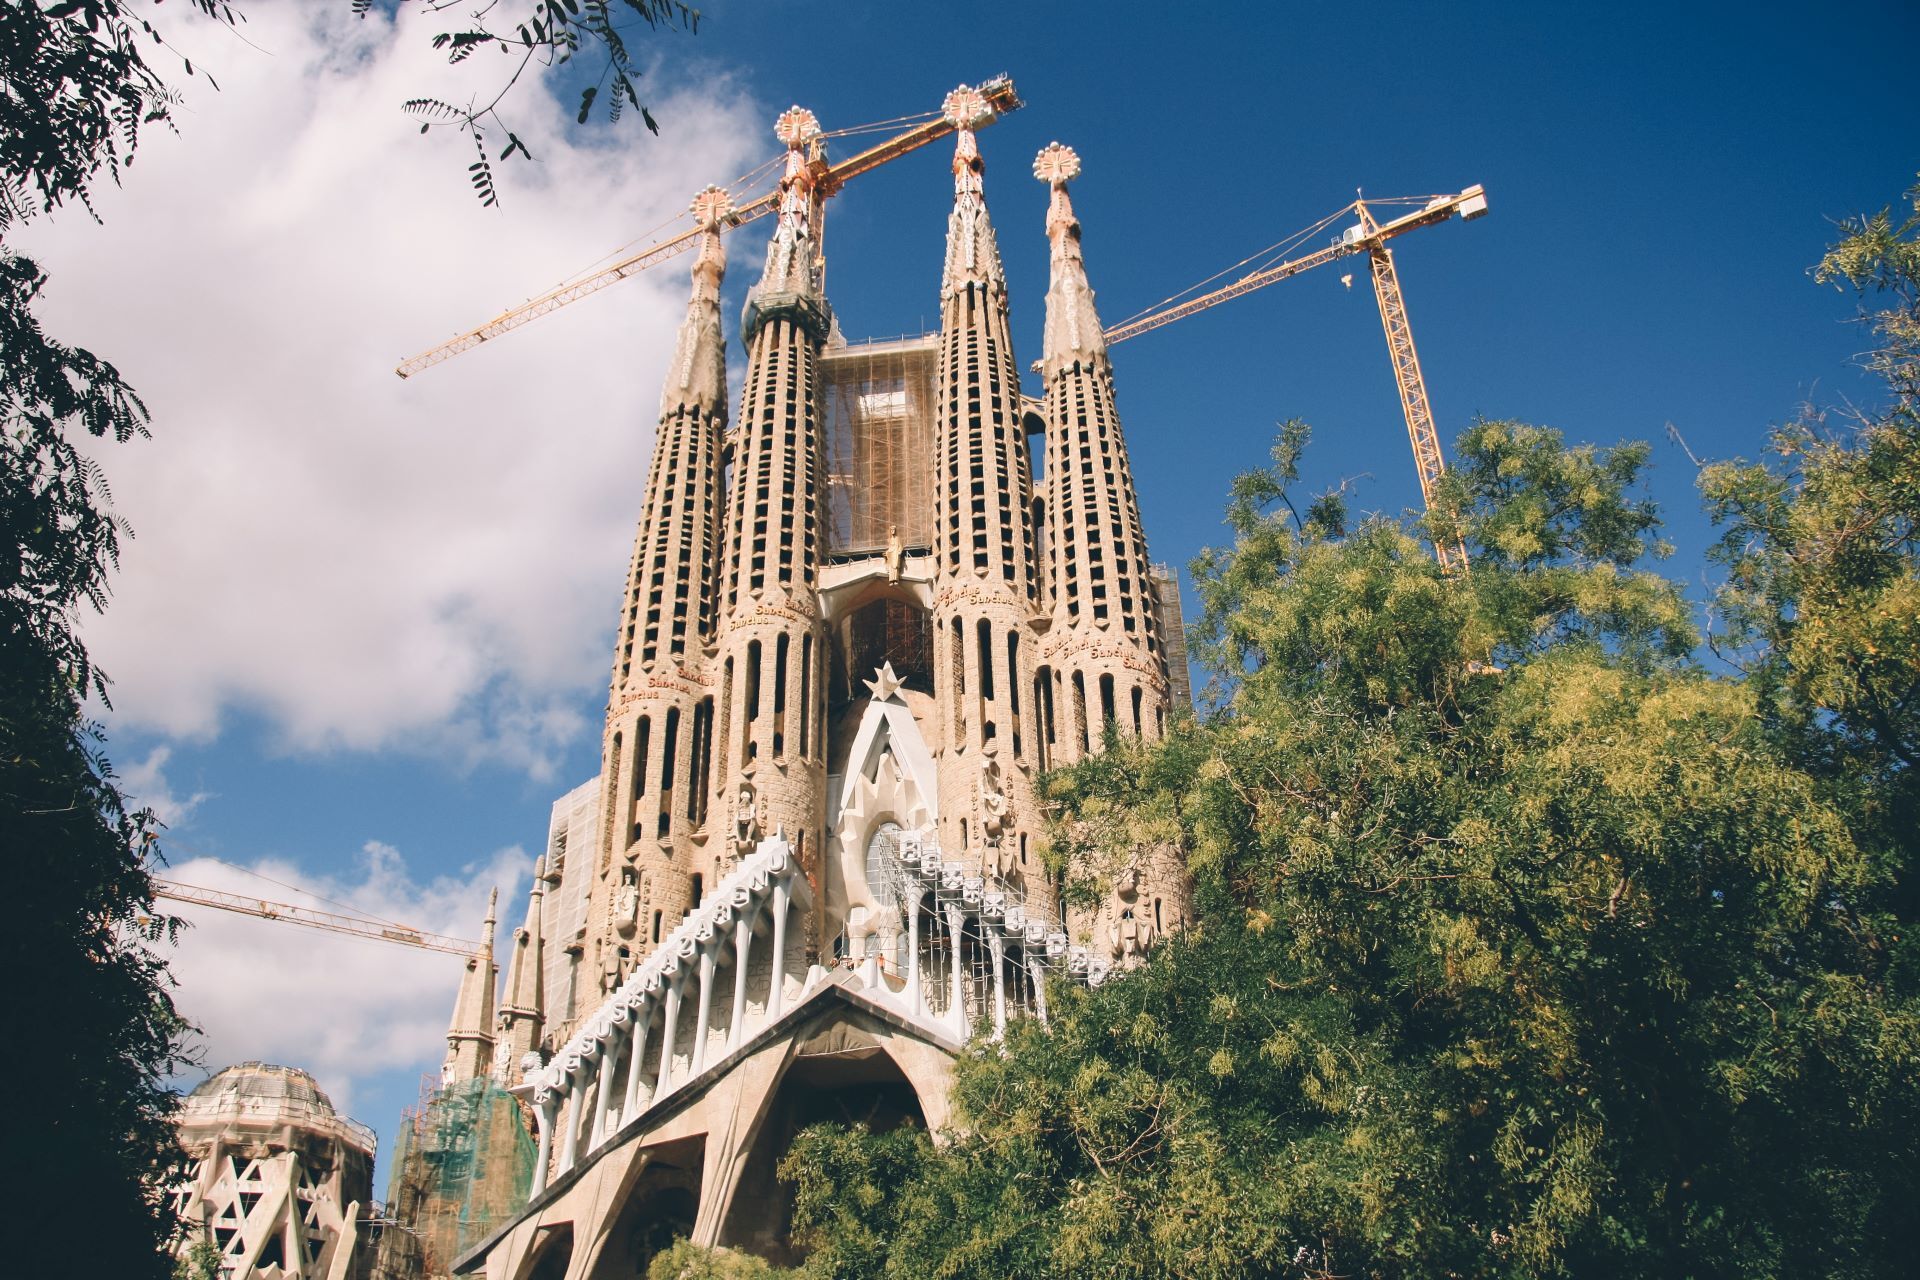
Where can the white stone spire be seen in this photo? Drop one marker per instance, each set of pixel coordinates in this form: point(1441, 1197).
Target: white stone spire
point(1073, 330)
point(791, 251)
point(973, 256)
point(697, 378)
point(470, 1034)
point(523, 1007)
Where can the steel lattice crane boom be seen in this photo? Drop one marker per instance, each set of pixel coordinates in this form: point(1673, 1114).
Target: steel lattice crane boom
point(1368, 236)
point(828, 179)
point(329, 921)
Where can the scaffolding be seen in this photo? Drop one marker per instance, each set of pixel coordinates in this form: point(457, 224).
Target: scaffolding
point(463, 1165)
point(879, 399)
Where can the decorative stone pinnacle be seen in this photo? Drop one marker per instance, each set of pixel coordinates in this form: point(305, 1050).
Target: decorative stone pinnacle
point(1056, 165)
point(711, 205)
point(885, 684)
point(796, 127)
point(966, 108)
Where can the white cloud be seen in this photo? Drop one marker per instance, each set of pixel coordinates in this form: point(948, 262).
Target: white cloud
point(145, 785)
point(371, 563)
point(347, 1009)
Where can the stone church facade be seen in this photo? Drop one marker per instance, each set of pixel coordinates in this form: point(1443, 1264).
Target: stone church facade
point(863, 616)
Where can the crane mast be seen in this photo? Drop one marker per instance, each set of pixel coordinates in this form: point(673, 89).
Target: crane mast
point(1368, 236)
point(828, 179)
point(328, 921)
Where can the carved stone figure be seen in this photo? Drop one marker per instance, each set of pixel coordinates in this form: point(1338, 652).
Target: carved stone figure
point(896, 555)
point(626, 907)
point(746, 819)
point(996, 810)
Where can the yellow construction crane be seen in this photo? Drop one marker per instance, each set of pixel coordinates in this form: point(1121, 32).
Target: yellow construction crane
point(329, 921)
point(1368, 235)
point(828, 179)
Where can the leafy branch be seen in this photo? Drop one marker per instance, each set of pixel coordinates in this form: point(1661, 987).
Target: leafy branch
point(553, 34)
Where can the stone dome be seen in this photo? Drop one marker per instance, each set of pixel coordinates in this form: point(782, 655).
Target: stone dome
point(263, 1095)
point(266, 1080)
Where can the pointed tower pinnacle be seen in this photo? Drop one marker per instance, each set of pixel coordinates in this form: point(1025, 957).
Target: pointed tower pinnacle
point(1073, 329)
point(697, 378)
point(789, 281)
point(470, 1034)
point(973, 256)
point(523, 1010)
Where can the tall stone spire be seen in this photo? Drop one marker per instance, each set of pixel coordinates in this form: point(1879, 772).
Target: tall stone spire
point(523, 1008)
point(1105, 633)
point(1104, 642)
point(986, 586)
point(656, 752)
point(697, 378)
point(1073, 329)
point(973, 255)
point(770, 736)
point(470, 1034)
point(790, 280)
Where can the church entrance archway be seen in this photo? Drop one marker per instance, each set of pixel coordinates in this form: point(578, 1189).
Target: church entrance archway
point(841, 1078)
point(552, 1254)
point(659, 1209)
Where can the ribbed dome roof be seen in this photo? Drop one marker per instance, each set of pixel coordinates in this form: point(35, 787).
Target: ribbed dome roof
point(251, 1094)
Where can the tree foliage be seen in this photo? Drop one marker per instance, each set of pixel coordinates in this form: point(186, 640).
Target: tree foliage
point(89, 983)
point(1528, 944)
point(543, 36)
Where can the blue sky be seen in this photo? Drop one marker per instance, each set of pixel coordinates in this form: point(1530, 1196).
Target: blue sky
point(1660, 181)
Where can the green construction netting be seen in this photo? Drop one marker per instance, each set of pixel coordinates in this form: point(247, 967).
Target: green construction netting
point(463, 1165)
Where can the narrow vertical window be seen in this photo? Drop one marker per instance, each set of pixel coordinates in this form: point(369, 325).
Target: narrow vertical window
point(957, 658)
point(1080, 710)
point(669, 760)
point(642, 754)
point(1136, 711)
point(642, 748)
point(985, 634)
point(700, 783)
point(1013, 688)
point(656, 926)
point(806, 690)
point(1107, 713)
point(609, 802)
point(699, 889)
point(750, 703)
point(781, 647)
point(725, 726)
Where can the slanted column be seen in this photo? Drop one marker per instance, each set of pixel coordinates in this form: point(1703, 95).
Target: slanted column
point(956, 1007)
point(997, 947)
point(543, 1115)
point(636, 1060)
point(1038, 973)
point(776, 995)
point(664, 1085)
point(742, 947)
point(570, 1136)
point(603, 1095)
point(706, 1011)
point(916, 1000)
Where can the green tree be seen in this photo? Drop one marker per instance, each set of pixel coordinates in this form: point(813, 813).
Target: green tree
point(1524, 947)
point(1527, 944)
point(584, 41)
point(1822, 555)
point(89, 989)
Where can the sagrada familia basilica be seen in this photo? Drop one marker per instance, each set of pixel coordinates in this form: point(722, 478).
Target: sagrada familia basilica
point(864, 615)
